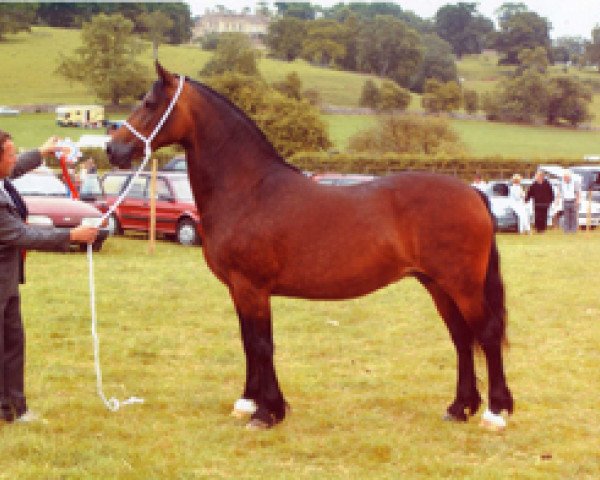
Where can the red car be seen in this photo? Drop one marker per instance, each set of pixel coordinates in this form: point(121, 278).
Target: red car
point(49, 204)
point(176, 212)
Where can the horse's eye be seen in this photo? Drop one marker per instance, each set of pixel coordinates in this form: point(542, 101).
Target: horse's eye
point(149, 103)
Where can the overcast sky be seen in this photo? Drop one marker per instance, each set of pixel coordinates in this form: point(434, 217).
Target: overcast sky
point(568, 17)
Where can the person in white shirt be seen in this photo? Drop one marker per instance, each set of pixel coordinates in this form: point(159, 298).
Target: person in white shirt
point(517, 197)
point(480, 184)
point(569, 192)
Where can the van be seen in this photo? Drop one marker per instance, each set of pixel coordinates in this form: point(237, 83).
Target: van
point(89, 116)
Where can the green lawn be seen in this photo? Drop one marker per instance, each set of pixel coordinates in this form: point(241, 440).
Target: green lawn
point(367, 380)
point(513, 141)
point(491, 138)
point(32, 59)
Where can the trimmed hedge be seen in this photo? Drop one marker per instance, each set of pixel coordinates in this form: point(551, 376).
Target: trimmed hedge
point(463, 167)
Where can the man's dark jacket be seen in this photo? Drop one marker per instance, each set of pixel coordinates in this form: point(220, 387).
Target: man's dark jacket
point(542, 194)
point(16, 235)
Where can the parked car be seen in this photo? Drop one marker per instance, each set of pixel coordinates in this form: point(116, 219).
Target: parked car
point(49, 204)
point(176, 164)
point(341, 178)
point(506, 218)
point(8, 112)
point(176, 212)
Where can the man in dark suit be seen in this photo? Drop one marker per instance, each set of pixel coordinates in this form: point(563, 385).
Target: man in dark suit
point(543, 195)
point(15, 237)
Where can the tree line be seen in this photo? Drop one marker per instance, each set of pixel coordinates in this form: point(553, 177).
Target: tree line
point(17, 17)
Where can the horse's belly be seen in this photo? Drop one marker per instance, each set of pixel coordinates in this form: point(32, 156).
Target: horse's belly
point(339, 281)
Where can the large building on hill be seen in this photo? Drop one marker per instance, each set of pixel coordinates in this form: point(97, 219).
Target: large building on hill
point(251, 25)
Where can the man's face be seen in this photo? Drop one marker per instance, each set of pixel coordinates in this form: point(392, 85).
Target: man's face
point(539, 177)
point(8, 158)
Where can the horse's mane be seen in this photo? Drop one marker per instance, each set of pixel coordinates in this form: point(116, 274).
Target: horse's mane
point(243, 118)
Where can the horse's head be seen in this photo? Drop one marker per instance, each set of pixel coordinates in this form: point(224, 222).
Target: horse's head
point(125, 146)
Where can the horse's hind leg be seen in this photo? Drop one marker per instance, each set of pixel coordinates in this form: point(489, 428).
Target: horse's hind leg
point(254, 313)
point(467, 395)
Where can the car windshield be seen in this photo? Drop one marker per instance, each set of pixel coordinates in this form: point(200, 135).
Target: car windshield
point(113, 184)
point(34, 184)
point(183, 192)
point(590, 179)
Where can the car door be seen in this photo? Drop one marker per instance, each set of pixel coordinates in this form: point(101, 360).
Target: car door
point(134, 211)
point(167, 210)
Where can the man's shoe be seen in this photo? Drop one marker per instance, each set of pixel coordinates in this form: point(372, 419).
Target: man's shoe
point(27, 417)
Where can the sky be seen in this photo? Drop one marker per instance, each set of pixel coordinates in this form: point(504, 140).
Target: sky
point(568, 17)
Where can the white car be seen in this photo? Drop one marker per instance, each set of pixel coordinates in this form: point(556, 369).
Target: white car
point(8, 111)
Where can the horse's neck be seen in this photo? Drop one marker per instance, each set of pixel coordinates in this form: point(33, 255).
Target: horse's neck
point(227, 155)
point(228, 171)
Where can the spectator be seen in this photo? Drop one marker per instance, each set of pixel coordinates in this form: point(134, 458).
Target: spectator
point(517, 197)
point(570, 192)
point(479, 183)
point(543, 195)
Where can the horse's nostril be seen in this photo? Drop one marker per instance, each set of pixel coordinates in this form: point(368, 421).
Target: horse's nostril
point(108, 149)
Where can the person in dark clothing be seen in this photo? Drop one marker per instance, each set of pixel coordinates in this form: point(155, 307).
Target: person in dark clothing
point(16, 236)
point(543, 195)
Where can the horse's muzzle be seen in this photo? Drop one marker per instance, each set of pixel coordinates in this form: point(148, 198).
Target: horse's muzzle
point(119, 154)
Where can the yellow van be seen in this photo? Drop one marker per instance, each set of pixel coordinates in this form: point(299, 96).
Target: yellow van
point(91, 116)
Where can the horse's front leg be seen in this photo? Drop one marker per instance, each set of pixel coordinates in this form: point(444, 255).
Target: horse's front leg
point(262, 396)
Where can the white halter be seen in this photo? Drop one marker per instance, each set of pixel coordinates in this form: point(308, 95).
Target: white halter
point(113, 403)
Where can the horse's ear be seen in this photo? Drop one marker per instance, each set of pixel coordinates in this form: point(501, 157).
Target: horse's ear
point(166, 77)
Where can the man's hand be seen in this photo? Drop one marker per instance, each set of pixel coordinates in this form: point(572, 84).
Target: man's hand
point(83, 234)
point(50, 147)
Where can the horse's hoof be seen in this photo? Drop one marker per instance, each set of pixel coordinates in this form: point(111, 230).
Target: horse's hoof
point(257, 424)
point(243, 408)
point(493, 422)
point(448, 417)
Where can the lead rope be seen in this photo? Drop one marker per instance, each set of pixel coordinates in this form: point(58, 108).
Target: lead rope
point(112, 403)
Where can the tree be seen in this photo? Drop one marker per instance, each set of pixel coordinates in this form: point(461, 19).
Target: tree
point(300, 10)
point(290, 125)
point(522, 30)
point(106, 60)
point(234, 53)
point(441, 97)
point(370, 95)
point(291, 86)
point(524, 98)
point(592, 49)
point(470, 101)
point(389, 48)
point(156, 25)
point(324, 43)
point(16, 17)
point(533, 58)
point(569, 100)
point(180, 15)
point(285, 38)
point(462, 28)
point(408, 134)
point(392, 97)
point(438, 62)
point(569, 50)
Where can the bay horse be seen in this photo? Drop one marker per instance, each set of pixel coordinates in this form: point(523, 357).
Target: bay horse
point(269, 230)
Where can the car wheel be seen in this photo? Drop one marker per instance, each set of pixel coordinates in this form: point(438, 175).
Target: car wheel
point(114, 226)
point(186, 232)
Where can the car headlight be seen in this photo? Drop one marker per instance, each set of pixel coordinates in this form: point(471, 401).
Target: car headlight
point(90, 221)
point(40, 220)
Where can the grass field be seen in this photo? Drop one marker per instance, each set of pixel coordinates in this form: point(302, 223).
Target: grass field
point(27, 54)
point(368, 379)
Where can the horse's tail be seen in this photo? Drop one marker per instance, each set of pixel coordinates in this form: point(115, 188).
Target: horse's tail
point(494, 298)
